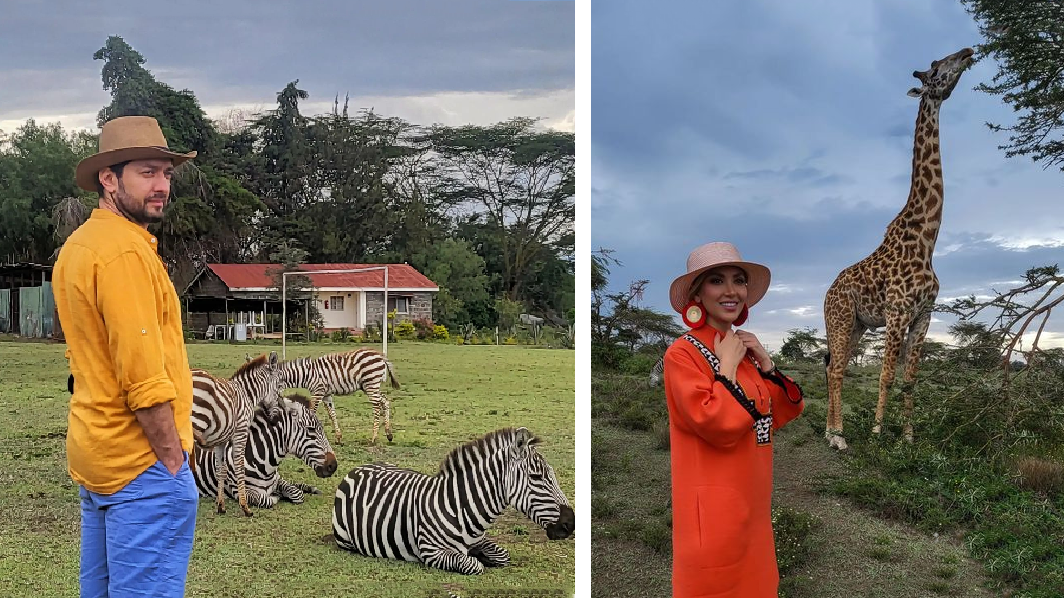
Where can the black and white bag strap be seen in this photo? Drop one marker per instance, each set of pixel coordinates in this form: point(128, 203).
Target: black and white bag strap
point(735, 389)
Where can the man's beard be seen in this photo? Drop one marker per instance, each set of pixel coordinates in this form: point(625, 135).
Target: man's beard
point(137, 211)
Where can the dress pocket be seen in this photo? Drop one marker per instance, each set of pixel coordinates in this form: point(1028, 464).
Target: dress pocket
point(723, 526)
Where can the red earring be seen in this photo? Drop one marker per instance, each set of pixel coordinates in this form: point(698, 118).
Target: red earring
point(742, 317)
point(693, 315)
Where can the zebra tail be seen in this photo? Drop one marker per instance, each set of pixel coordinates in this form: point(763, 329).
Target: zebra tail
point(391, 375)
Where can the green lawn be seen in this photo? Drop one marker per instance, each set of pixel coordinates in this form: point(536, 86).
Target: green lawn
point(450, 394)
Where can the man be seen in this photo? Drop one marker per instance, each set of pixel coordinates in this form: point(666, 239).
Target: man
point(130, 428)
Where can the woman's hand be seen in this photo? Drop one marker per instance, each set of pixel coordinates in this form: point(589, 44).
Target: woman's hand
point(754, 346)
point(730, 351)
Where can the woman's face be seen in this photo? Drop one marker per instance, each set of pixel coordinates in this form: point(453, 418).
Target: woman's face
point(723, 295)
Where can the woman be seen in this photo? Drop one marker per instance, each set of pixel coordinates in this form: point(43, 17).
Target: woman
point(725, 399)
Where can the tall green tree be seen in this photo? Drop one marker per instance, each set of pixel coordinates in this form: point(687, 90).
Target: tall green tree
point(1027, 40)
point(521, 179)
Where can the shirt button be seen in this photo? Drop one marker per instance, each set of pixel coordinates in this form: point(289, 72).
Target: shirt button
point(153, 239)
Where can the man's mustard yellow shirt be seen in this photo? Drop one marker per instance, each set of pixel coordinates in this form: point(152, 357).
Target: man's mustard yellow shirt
point(122, 320)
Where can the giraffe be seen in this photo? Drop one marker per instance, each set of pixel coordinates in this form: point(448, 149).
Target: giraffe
point(895, 286)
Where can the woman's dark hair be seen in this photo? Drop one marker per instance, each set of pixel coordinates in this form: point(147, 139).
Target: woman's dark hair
point(117, 169)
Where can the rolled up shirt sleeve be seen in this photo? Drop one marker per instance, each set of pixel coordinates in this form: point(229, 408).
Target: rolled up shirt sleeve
point(131, 312)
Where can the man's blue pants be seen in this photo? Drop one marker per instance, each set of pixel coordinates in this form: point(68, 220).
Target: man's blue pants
point(137, 541)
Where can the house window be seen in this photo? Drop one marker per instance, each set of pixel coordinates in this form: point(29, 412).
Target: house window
point(400, 305)
point(336, 303)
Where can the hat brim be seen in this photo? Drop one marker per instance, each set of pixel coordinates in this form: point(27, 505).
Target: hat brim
point(758, 278)
point(88, 169)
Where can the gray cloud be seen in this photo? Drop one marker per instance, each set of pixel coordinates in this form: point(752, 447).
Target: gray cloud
point(232, 52)
point(786, 129)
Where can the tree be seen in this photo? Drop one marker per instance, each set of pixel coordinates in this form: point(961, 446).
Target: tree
point(802, 344)
point(284, 184)
point(1027, 40)
point(459, 271)
point(520, 178)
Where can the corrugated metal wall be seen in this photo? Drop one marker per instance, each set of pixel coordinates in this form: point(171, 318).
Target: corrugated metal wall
point(36, 312)
point(5, 310)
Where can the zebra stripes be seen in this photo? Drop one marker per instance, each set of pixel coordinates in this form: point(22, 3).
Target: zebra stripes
point(384, 511)
point(222, 411)
point(657, 373)
point(343, 374)
point(297, 432)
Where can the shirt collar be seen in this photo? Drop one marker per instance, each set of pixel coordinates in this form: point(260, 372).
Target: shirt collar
point(110, 217)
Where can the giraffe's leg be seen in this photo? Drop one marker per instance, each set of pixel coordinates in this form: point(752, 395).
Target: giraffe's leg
point(843, 332)
point(915, 345)
point(220, 471)
point(892, 341)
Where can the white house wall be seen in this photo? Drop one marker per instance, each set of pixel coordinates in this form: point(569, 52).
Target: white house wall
point(349, 317)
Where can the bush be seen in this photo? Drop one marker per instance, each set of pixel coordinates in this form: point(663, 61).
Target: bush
point(440, 333)
point(424, 328)
point(405, 330)
point(792, 530)
point(341, 335)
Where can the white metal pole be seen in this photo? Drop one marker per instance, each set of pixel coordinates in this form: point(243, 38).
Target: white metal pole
point(284, 315)
point(385, 337)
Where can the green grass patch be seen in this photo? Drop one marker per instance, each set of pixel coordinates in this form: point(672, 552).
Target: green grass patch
point(450, 394)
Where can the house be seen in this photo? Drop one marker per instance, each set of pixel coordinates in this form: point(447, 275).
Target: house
point(27, 306)
point(249, 294)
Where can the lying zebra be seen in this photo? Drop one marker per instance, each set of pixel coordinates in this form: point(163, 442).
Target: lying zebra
point(222, 411)
point(385, 511)
point(343, 374)
point(297, 432)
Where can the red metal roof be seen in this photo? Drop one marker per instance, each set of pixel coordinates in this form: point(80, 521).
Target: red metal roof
point(257, 276)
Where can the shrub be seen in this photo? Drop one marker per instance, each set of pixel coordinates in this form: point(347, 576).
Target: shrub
point(405, 330)
point(440, 333)
point(341, 335)
point(792, 530)
point(424, 329)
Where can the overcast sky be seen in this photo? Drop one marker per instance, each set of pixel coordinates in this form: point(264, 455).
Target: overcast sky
point(427, 61)
point(785, 128)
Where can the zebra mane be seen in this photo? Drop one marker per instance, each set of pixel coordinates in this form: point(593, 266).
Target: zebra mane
point(299, 398)
point(252, 365)
point(490, 443)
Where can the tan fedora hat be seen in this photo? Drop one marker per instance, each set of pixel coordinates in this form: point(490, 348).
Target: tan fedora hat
point(123, 139)
point(713, 255)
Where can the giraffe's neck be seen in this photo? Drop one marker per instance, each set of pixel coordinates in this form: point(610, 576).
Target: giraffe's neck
point(917, 225)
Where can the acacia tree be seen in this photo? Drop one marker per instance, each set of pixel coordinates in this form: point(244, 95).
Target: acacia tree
point(521, 178)
point(1027, 40)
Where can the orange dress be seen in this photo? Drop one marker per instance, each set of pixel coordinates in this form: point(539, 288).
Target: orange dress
point(722, 472)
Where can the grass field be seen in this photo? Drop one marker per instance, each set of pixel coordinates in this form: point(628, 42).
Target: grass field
point(450, 394)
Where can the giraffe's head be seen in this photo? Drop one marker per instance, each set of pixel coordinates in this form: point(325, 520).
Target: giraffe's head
point(939, 81)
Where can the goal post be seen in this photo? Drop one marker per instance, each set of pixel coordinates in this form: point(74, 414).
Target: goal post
point(284, 303)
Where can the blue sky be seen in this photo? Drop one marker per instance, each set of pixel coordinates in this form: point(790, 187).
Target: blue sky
point(785, 128)
point(454, 62)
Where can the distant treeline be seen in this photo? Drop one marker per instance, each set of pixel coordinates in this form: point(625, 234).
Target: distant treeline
point(486, 212)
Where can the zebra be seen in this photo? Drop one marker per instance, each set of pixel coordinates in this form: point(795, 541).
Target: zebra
point(343, 374)
point(222, 411)
point(385, 511)
point(298, 432)
point(657, 373)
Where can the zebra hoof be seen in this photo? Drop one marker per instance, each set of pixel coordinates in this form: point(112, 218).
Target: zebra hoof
point(389, 437)
point(247, 512)
point(221, 509)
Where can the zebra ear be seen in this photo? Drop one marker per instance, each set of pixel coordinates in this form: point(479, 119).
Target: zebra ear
point(524, 439)
point(273, 357)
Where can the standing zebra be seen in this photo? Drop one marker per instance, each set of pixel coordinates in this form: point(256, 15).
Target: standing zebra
point(222, 411)
point(343, 374)
point(657, 373)
point(298, 432)
point(385, 511)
